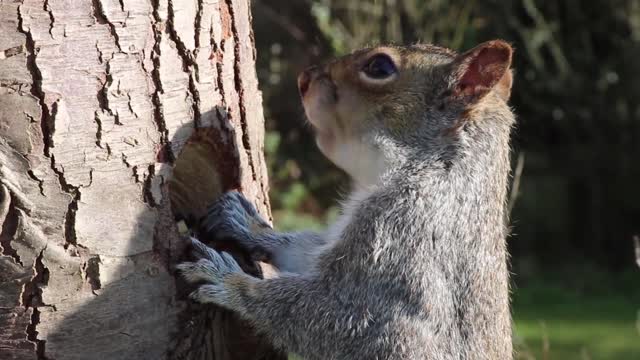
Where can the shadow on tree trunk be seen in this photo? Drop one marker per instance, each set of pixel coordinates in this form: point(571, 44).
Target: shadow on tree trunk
point(138, 300)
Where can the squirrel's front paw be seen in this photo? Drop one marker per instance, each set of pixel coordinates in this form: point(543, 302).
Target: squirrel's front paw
point(214, 269)
point(233, 216)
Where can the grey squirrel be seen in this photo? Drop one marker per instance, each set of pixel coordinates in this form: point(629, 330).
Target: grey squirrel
point(416, 265)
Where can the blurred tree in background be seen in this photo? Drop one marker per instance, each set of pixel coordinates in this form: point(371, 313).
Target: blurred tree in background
point(576, 94)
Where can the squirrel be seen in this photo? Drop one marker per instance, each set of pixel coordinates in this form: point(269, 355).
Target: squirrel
point(415, 267)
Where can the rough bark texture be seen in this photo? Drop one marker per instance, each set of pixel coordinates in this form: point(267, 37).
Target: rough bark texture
point(96, 100)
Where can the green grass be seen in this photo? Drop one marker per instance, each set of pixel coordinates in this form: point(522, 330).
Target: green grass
point(572, 324)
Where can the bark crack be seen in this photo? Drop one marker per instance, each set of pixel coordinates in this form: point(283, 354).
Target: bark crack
point(32, 298)
point(66, 187)
point(103, 94)
point(47, 117)
point(158, 114)
point(101, 18)
point(246, 143)
point(147, 194)
point(100, 58)
point(91, 273)
point(225, 19)
point(189, 65)
point(52, 20)
point(197, 23)
point(32, 334)
point(70, 216)
point(9, 225)
point(136, 174)
point(131, 106)
point(70, 236)
point(98, 129)
point(185, 54)
point(217, 54)
point(7, 53)
point(124, 160)
point(40, 182)
point(109, 152)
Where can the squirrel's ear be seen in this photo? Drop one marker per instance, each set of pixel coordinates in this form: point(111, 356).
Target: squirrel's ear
point(481, 69)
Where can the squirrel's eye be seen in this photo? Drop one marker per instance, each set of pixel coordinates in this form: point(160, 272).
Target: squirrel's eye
point(379, 67)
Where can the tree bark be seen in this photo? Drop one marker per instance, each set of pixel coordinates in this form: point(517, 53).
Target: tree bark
point(97, 99)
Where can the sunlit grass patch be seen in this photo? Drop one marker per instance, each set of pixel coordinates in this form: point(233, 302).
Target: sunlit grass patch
point(557, 323)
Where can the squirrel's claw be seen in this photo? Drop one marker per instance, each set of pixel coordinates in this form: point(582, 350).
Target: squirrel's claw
point(215, 294)
point(212, 268)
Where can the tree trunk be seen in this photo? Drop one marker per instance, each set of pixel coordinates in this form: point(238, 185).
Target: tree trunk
point(97, 99)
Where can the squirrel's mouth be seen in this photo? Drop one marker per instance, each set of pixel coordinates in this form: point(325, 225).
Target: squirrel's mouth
point(312, 76)
point(321, 117)
point(319, 108)
point(304, 80)
point(318, 95)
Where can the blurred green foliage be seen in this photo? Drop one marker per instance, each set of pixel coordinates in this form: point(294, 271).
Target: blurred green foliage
point(577, 97)
point(576, 94)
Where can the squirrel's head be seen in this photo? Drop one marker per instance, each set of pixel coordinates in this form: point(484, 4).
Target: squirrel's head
point(379, 104)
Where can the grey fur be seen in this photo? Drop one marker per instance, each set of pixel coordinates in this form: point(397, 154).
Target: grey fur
point(415, 268)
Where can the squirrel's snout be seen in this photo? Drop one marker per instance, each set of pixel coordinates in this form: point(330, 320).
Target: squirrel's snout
point(305, 78)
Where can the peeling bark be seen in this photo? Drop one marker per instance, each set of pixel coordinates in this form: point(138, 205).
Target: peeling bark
point(97, 99)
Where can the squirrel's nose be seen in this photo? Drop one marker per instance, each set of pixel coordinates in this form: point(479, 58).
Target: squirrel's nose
point(304, 79)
